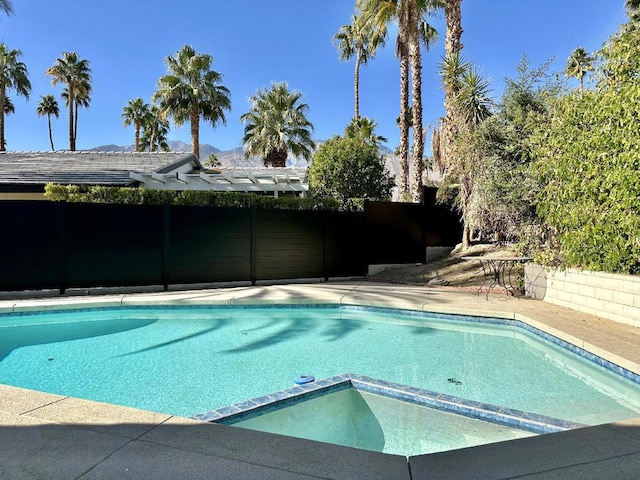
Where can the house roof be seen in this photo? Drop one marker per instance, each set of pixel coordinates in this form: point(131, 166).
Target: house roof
point(88, 167)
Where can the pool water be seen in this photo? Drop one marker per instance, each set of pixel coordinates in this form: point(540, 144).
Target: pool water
point(183, 361)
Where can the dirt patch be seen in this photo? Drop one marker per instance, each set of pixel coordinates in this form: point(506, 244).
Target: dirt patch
point(449, 271)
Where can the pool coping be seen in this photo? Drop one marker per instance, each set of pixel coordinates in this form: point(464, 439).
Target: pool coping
point(509, 417)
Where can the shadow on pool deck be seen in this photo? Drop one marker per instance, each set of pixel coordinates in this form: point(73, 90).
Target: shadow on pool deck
point(50, 436)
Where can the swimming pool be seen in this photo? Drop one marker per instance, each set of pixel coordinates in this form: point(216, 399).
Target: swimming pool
point(187, 360)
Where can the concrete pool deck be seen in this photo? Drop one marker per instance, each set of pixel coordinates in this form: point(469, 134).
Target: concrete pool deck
point(46, 436)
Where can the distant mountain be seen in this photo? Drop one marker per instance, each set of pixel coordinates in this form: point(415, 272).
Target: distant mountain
point(235, 157)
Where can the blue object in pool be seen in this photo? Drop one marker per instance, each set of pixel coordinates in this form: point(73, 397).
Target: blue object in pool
point(302, 379)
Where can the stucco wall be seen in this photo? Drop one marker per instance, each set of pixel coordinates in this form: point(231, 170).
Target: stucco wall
point(615, 297)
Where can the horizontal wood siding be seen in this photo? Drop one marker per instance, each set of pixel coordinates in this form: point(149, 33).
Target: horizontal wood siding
point(208, 244)
point(395, 233)
point(30, 245)
point(113, 245)
point(289, 244)
point(346, 233)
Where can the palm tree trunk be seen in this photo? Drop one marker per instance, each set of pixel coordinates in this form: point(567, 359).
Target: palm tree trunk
point(136, 142)
point(50, 133)
point(154, 135)
point(3, 95)
point(452, 47)
point(356, 87)
point(416, 82)
point(72, 142)
point(195, 131)
point(404, 123)
point(75, 126)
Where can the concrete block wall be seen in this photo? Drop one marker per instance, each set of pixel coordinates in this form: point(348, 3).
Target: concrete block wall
point(615, 297)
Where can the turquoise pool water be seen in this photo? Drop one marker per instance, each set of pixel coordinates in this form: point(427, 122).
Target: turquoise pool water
point(184, 361)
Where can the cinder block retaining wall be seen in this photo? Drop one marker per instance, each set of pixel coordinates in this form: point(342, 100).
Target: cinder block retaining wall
point(615, 297)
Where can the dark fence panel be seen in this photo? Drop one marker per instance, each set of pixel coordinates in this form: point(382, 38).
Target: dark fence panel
point(113, 245)
point(395, 233)
point(31, 254)
point(59, 245)
point(208, 244)
point(345, 235)
point(443, 226)
point(288, 244)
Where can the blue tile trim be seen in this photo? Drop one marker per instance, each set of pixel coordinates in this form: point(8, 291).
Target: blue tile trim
point(531, 422)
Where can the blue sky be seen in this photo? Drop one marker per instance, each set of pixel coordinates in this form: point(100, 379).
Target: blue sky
point(255, 42)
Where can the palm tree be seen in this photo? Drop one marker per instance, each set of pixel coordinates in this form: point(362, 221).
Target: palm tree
point(9, 107)
point(13, 75)
point(633, 9)
point(472, 105)
point(155, 128)
point(192, 90)
point(452, 66)
point(363, 129)
point(361, 40)
point(410, 16)
point(48, 106)
point(6, 6)
point(578, 64)
point(277, 125)
point(135, 112)
point(76, 74)
point(81, 99)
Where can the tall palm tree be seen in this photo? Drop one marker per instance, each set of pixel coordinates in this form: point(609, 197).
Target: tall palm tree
point(82, 98)
point(363, 129)
point(192, 90)
point(48, 106)
point(362, 40)
point(473, 104)
point(442, 146)
point(76, 74)
point(277, 125)
point(6, 6)
point(13, 75)
point(135, 113)
point(410, 16)
point(578, 64)
point(155, 129)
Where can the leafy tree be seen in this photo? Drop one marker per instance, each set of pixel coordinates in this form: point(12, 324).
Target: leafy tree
point(136, 112)
point(345, 168)
point(359, 39)
point(578, 65)
point(191, 90)
point(13, 75)
point(589, 164)
point(277, 125)
point(212, 161)
point(155, 129)
point(48, 106)
point(504, 206)
point(76, 74)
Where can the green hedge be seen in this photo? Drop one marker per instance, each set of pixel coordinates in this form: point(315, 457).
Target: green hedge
point(141, 196)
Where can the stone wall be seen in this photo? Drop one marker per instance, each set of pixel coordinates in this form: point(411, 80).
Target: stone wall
point(615, 297)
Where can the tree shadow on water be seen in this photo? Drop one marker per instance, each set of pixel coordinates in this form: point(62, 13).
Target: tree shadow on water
point(15, 337)
point(291, 328)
